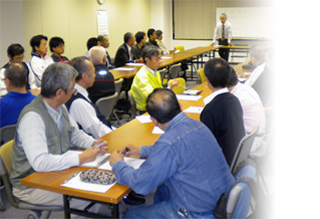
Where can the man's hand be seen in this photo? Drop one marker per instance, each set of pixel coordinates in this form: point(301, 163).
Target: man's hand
point(114, 157)
point(131, 150)
point(103, 147)
point(173, 83)
point(89, 155)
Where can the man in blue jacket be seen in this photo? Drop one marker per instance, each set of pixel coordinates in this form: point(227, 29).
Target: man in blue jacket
point(186, 162)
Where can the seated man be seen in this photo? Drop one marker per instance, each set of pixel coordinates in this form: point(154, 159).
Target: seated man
point(45, 131)
point(103, 85)
point(270, 107)
point(56, 45)
point(39, 60)
point(91, 42)
point(140, 44)
point(104, 42)
point(253, 111)
point(186, 161)
point(15, 54)
point(80, 106)
point(147, 78)
point(124, 53)
point(223, 112)
point(257, 54)
point(152, 37)
point(17, 97)
point(159, 41)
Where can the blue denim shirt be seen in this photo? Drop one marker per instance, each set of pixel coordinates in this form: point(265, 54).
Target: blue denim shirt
point(188, 159)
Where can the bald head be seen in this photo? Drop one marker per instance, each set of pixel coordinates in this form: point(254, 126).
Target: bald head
point(97, 55)
point(17, 74)
point(163, 105)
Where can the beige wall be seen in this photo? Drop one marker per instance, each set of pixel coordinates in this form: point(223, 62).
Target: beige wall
point(73, 20)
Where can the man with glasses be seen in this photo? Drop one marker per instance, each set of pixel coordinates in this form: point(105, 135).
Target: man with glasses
point(16, 54)
point(15, 77)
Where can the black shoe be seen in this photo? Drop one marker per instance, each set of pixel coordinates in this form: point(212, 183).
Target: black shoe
point(249, 66)
point(131, 199)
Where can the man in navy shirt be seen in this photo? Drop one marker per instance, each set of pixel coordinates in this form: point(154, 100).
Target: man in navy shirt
point(17, 97)
point(223, 112)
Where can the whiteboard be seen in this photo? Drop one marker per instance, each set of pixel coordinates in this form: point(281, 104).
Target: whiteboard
point(250, 22)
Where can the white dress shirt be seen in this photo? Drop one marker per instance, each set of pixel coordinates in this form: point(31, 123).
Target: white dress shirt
point(86, 116)
point(218, 31)
point(209, 98)
point(255, 74)
point(32, 138)
point(253, 111)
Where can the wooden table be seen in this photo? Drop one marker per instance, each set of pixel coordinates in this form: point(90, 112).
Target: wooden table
point(132, 132)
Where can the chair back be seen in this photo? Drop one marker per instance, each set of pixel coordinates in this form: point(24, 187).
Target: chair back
point(5, 170)
point(106, 104)
point(201, 75)
point(242, 192)
point(243, 150)
point(181, 87)
point(132, 104)
point(118, 84)
point(7, 133)
point(180, 48)
point(174, 71)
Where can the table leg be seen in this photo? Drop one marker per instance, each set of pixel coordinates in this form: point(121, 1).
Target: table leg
point(66, 206)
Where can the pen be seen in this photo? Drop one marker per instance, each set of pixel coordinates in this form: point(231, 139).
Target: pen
point(124, 152)
point(99, 145)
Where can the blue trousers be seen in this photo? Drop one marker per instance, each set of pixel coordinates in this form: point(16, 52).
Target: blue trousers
point(163, 208)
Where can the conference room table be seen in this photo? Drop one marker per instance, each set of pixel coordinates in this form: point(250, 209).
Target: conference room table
point(134, 133)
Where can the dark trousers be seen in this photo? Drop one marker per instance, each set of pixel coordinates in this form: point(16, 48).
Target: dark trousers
point(224, 53)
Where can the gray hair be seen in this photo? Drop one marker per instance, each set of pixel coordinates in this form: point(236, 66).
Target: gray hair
point(224, 15)
point(97, 54)
point(257, 52)
point(57, 76)
point(150, 51)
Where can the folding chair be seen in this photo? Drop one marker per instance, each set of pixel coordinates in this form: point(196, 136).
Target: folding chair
point(243, 150)
point(5, 170)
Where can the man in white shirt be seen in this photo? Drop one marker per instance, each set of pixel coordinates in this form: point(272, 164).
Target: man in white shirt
point(16, 54)
point(39, 60)
point(45, 131)
point(223, 34)
point(253, 110)
point(80, 106)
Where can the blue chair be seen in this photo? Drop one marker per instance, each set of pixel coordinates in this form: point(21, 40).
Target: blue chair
point(244, 192)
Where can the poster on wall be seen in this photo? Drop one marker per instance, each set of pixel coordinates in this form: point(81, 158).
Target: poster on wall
point(102, 22)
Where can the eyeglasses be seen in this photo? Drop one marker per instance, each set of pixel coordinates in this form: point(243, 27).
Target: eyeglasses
point(3, 79)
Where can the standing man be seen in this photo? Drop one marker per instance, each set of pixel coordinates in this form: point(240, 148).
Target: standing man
point(104, 42)
point(80, 106)
point(18, 97)
point(16, 54)
point(39, 60)
point(186, 162)
point(223, 112)
point(45, 131)
point(223, 34)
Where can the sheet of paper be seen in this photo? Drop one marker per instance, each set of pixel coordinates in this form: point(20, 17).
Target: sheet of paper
point(188, 97)
point(144, 119)
point(166, 57)
point(92, 163)
point(124, 69)
point(157, 130)
point(134, 64)
point(76, 183)
point(133, 162)
point(193, 109)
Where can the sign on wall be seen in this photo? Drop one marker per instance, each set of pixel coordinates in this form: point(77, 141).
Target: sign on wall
point(102, 22)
